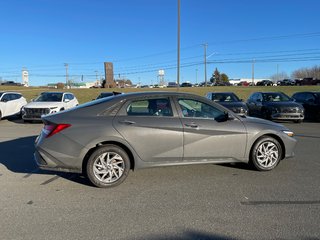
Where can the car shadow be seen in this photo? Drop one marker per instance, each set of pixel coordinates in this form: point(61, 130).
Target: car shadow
point(188, 234)
point(19, 120)
point(17, 156)
point(238, 165)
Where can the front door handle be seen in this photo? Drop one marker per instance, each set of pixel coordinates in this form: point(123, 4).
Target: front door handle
point(192, 125)
point(127, 122)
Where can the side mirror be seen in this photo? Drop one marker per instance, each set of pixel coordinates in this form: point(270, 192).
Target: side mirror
point(310, 100)
point(4, 100)
point(67, 100)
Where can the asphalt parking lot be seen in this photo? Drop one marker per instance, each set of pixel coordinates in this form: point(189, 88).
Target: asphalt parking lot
point(228, 201)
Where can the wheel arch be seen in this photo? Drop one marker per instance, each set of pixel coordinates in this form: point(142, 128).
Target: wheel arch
point(121, 145)
point(283, 154)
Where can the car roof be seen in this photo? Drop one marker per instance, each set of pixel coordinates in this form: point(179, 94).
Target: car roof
point(10, 92)
point(223, 92)
point(58, 92)
point(318, 92)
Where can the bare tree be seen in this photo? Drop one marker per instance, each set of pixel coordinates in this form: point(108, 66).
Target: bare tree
point(280, 76)
point(313, 72)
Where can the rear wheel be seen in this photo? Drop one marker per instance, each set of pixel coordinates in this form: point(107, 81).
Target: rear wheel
point(266, 154)
point(108, 166)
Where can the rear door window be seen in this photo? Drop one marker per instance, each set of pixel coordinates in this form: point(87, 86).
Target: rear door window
point(150, 107)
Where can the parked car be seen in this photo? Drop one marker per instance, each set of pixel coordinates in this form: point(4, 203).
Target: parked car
point(48, 103)
point(106, 138)
point(275, 106)
point(186, 84)
point(11, 103)
point(308, 81)
point(286, 82)
point(310, 102)
point(172, 85)
point(230, 101)
point(264, 83)
point(107, 94)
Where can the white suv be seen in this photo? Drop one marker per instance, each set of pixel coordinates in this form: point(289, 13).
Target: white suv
point(11, 103)
point(48, 103)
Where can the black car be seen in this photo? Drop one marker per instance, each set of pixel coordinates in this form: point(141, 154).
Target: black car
point(230, 101)
point(310, 102)
point(286, 82)
point(275, 106)
point(264, 83)
point(185, 84)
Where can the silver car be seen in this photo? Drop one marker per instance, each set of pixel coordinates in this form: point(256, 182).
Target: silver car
point(105, 138)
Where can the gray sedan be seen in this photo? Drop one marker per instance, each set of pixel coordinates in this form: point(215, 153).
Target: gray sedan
point(105, 138)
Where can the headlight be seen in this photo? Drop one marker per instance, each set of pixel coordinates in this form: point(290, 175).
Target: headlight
point(289, 133)
point(53, 109)
point(275, 110)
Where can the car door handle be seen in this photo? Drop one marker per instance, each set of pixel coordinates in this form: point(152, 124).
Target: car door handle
point(127, 122)
point(192, 125)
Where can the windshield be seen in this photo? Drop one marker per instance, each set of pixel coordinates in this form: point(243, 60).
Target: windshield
point(275, 97)
point(49, 97)
point(225, 97)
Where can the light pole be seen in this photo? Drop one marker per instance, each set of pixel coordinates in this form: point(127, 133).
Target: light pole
point(178, 52)
point(205, 63)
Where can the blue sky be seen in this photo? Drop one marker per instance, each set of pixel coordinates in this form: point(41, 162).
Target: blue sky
point(140, 37)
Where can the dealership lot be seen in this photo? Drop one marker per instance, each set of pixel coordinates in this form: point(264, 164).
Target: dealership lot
point(186, 202)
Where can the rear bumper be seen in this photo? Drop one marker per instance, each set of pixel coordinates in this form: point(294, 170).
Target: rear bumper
point(47, 162)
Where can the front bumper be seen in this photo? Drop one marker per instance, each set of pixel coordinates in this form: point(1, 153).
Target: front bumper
point(287, 116)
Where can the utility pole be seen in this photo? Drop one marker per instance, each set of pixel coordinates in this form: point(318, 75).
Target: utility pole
point(277, 72)
point(205, 45)
point(67, 76)
point(196, 75)
point(178, 53)
point(253, 72)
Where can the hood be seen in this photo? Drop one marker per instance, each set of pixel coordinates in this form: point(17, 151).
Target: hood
point(43, 104)
point(283, 104)
point(261, 121)
point(233, 104)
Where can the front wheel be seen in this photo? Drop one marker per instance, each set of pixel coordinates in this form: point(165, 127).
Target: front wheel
point(266, 154)
point(108, 166)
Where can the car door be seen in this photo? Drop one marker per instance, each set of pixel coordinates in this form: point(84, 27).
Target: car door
point(7, 105)
point(152, 127)
point(255, 104)
point(208, 135)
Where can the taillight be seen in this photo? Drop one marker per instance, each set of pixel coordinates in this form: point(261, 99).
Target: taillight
point(51, 129)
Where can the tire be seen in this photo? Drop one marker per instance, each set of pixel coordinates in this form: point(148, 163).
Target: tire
point(0, 115)
point(103, 174)
point(266, 154)
point(297, 121)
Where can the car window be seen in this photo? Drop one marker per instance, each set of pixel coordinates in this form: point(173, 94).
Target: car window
point(70, 96)
point(150, 107)
point(192, 108)
point(6, 98)
point(16, 96)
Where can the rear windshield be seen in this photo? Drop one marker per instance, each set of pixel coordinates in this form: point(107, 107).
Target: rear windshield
point(96, 102)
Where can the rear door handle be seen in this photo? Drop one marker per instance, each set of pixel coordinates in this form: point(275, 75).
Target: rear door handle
point(192, 125)
point(127, 122)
